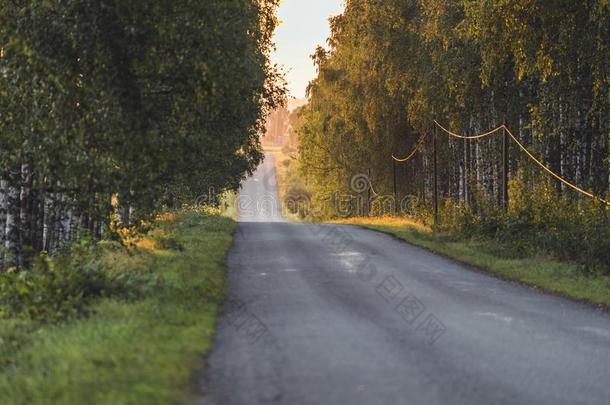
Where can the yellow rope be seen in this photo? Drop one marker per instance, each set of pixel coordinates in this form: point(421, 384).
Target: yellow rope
point(529, 154)
point(453, 134)
point(420, 143)
point(549, 171)
point(372, 189)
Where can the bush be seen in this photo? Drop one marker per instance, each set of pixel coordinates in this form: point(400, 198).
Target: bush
point(297, 200)
point(455, 217)
point(539, 221)
point(383, 206)
point(63, 286)
point(51, 289)
point(418, 209)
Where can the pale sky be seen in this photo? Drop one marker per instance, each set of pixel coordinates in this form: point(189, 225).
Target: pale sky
point(304, 26)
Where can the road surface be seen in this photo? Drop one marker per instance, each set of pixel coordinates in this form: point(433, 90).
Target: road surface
point(329, 314)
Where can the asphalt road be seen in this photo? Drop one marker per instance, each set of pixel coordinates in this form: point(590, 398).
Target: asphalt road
point(328, 314)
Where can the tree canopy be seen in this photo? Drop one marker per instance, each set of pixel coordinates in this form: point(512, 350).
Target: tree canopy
point(394, 66)
point(110, 110)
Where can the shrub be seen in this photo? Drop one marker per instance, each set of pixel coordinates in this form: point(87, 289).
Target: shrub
point(539, 221)
point(455, 217)
point(420, 211)
point(297, 200)
point(63, 286)
point(384, 206)
point(51, 289)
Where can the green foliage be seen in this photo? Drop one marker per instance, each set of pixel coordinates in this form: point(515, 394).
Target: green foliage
point(47, 291)
point(168, 243)
point(292, 188)
point(421, 211)
point(144, 351)
point(64, 286)
point(120, 108)
point(383, 206)
point(571, 230)
point(297, 198)
point(539, 222)
point(395, 66)
point(14, 335)
point(541, 68)
point(479, 218)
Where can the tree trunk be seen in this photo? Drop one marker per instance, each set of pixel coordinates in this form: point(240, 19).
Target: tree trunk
point(3, 212)
point(13, 237)
point(25, 208)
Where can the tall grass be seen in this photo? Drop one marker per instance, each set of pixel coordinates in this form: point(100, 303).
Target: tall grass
point(128, 351)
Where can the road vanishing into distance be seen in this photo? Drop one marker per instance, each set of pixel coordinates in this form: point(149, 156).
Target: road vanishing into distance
point(334, 314)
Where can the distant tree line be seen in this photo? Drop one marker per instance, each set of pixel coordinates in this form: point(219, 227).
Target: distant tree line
point(112, 110)
point(277, 126)
point(394, 66)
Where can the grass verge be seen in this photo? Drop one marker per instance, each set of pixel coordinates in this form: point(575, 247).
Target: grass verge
point(128, 352)
point(565, 279)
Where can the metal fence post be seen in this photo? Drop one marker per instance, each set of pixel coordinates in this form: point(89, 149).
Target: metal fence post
point(395, 191)
point(435, 177)
point(505, 147)
point(368, 193)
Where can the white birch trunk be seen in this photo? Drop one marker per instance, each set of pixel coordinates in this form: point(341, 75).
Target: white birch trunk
point(12, 220)
point(3, 213)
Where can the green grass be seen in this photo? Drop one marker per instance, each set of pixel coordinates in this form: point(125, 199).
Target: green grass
point(229, 204)
point(550, 275)
point(139, 352)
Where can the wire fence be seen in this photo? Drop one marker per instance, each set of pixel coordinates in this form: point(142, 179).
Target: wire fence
point(508, 136)
point(529, 154)
point(418, 146)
